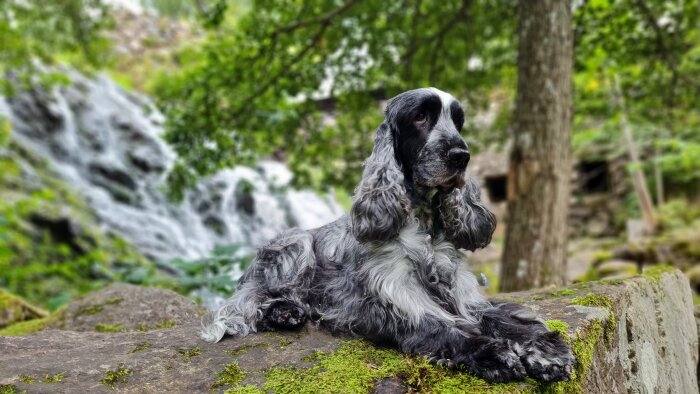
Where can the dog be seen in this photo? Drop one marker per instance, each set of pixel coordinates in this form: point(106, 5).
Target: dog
point(391, 272)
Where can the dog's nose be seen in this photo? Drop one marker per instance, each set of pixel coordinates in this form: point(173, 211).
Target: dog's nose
point(458, 157)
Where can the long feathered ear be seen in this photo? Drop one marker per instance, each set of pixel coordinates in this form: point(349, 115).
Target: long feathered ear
point(466, 220)
point(380, 206)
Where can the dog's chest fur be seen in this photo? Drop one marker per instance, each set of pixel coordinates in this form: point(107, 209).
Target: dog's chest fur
point(416, 274)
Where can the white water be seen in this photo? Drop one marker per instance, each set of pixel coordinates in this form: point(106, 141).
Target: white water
point(107, 144)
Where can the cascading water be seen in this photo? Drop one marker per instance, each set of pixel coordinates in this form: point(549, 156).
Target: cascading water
point(107, 144)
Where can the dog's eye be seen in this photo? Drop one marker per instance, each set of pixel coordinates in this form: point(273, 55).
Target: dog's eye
point(420, 118)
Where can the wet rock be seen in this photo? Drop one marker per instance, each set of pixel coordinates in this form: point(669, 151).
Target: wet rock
point(637, 335)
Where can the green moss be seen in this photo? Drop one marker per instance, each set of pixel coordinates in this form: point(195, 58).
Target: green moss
point(89, 310)
point(559, 326)
point(426, 377)
point(114, 301)
point(357, 366)
point(231, 375)
point(284, 340)
point(583, 347)
point(9, 389)
point(103, 327)
point(600, 301)
point(592, 299)
point(140, 347)
point(245, 390)
point(27, 379)
point(163, 324)
point(563, 293)
point(602, 256)
point(656, 272)
point(14, 309)
point(189, 353)
point(243, 349)
point(38, 263)
point(25, 327)
point(113, 378)
point(48, 379)
point(580, 286)
point(613, 282)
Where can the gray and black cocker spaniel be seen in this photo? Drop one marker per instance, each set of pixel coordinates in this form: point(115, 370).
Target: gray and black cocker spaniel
point(391, 272)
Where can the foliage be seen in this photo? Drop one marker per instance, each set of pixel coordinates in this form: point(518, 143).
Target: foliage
point(652, 47)
point(172, 8)
point(678, 213)
point(212, 273)
point(251, 89)
point(246, 92)
point(47, 32)
point(51, 248)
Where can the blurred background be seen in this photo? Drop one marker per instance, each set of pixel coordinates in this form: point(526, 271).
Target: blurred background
point(158, 142)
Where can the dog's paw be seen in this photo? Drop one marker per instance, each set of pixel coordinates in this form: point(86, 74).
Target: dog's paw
point(546, 358)
point(493, 360)
point(285, 315)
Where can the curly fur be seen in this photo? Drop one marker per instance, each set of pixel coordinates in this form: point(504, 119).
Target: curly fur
point(391, 272)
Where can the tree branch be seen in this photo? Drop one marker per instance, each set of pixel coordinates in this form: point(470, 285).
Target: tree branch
point(412, 45)
point(248, 101)
point(439, 37)
point(323, 19)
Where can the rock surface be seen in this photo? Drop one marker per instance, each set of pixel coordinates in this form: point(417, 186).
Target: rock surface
point(637, 335)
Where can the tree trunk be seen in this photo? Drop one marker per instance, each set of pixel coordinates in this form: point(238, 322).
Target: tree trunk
point(540, 161)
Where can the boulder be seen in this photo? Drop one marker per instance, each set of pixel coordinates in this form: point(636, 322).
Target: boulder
point(636, 335)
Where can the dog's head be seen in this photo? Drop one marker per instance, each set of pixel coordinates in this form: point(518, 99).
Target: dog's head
point(418, 144)
point(425, 126)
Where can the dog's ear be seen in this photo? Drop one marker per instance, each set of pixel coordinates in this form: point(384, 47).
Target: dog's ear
point(380, 206)
point(466, 220)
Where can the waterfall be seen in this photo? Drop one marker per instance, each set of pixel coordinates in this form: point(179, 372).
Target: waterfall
point(107, 144)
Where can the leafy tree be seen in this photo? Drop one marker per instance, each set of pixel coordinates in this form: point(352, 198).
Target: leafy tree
point(47, 32)
point(653, 48)
point(250, 89)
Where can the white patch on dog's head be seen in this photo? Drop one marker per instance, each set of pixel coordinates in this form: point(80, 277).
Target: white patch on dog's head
point(445, 98)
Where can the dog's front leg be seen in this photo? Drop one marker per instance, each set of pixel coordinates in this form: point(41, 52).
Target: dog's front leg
point(466, 221)
point(544, 354)
point(493, 359)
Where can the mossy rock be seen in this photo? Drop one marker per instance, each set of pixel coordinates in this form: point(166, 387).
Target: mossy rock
point(617, 269)
point(116, 308)
point(52, 246)
point(618, 332)
point(14, 309)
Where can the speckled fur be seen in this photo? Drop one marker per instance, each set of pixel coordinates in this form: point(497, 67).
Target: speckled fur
point(391, 272)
